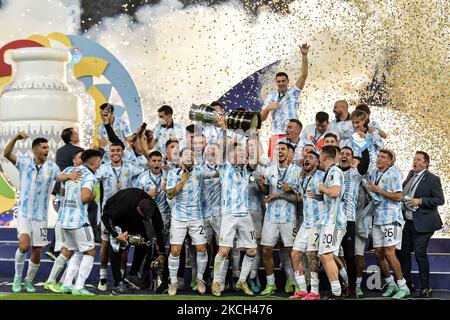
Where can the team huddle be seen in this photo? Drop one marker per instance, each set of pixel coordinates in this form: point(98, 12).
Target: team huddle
point(321, 193)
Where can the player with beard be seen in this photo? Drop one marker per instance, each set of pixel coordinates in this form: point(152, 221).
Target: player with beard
point(307, 239)
point(352, 178)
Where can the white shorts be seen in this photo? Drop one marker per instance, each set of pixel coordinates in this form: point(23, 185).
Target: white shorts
point(37, 230)
point(212, 227)
point(179, 229)
point(360, 245)
point(387, 236)
point(271, 233)
point(81, 239)
point(257, 219)
point(104, 232)
point(307, 239)
point(330, 239)
point(242, 226)
point(58, 237)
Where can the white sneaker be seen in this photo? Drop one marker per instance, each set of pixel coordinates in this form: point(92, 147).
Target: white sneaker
point(173, 289)
point(201, 286)
point(103, 285)
point(222, 286)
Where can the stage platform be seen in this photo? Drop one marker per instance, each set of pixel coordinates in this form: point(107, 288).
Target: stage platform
point(439, 257)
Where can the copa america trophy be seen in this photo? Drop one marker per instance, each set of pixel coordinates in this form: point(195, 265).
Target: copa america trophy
point(234, 120)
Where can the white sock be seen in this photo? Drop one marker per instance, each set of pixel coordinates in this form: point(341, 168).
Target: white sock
point(255, 266)
point(85, 269)
point(247, 264)
point(336, 288)
point(72, 269)
point(122, 271)
point(103, 273)
point(202, 262)
point(343, 273)
point(314, 282)
point(402, 284)
point(58, 265)
point(270, 279)
point(235, 258)
point(19, 262)
point(32, 269)
point(63, 277)
point(223, 274)
point(219, 263)
point(390, 281)
point(287, 263)
point(301, 281)
point(358, 282)
point(174, 264)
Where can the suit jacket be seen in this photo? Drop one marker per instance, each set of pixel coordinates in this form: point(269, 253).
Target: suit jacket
point(426, 218)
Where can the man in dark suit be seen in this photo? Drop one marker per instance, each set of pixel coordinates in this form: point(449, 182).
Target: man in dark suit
point(422, 194)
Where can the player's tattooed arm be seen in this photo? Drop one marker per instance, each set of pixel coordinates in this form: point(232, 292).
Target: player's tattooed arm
point(173, 192)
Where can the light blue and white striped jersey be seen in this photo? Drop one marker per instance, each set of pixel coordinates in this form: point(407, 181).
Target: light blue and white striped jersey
point(187, 204)
point(211, 192)
point(255, 196)
point(116, 179)
point(312, 209)
point(343, 129)
point(279, 211)
point(386, 211)
point(294, 177)
point(376, 144)
point(212, 134)
point(235, 185)
point(287, 108)
point(162, 134)
point(148, 181)
point(36, 184)
point(120, 127)
point(73, 214)
point(333, 208)
point(352, 181)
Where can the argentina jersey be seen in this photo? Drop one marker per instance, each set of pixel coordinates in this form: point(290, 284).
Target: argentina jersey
point(162, 134)
point(120, 127)
point(376, 144)
point(211, 192)
point(115, 179)
point(387, 211)
point(280, 210)
point(212, 134)
point(352, 182)
point(187, 203)
point(287, 109)
point(312, 209)
point(148, 181)
point(73, 214)
point(36, 183)
point(333, 208)
point(235, 186)
point(255, 196)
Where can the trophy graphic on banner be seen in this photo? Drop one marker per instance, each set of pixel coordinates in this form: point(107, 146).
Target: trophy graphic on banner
point(234, 120)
